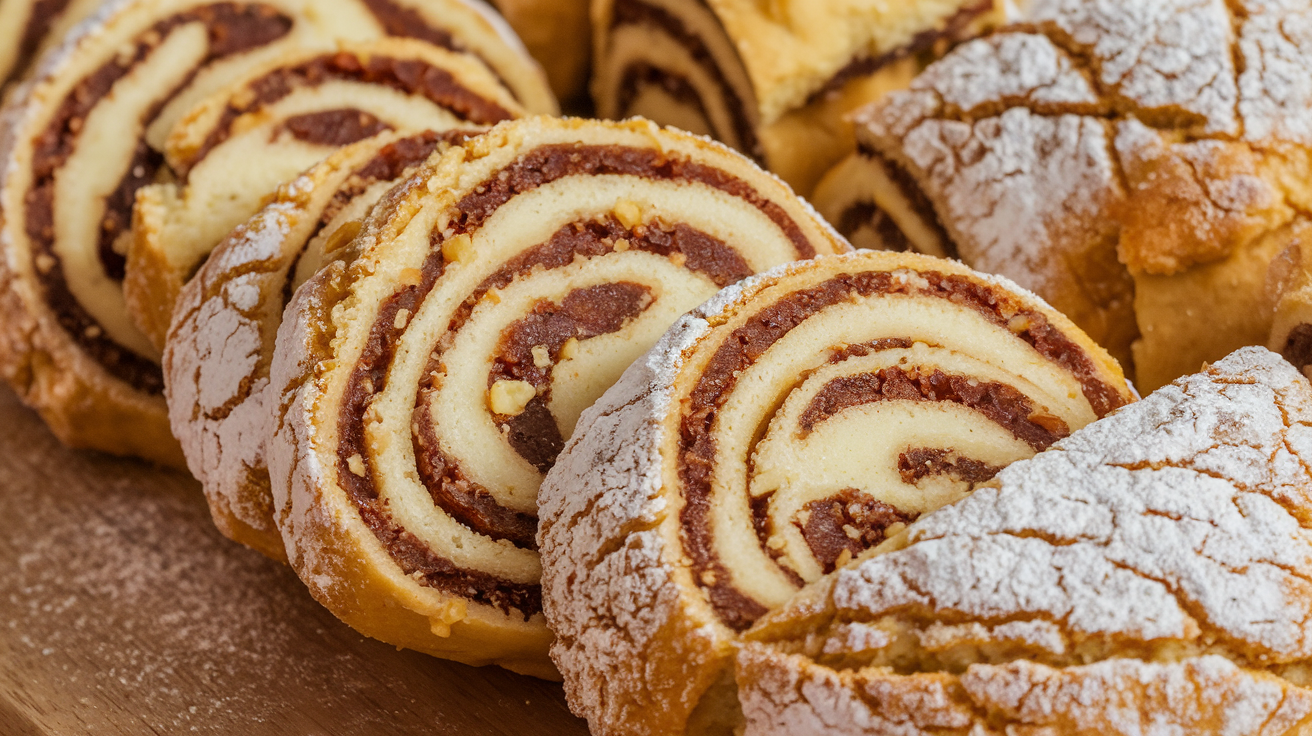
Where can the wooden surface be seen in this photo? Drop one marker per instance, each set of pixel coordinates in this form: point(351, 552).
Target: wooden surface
point(122, 611)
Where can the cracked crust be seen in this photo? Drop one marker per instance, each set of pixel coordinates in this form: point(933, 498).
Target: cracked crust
point(642, 645)
point(1153, 568)
point(1137, 164)
point(217, 357)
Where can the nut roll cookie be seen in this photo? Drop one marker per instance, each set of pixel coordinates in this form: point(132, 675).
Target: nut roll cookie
point(287, 116)
point(428, 378)
point(216, 359)
point(85, 134)
point(1137, 164)
point(773, 80)
point(27, 27)
point(772, 435)
point(1149, 574)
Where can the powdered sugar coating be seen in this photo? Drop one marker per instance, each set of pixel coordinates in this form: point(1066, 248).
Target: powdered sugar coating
point(1105, 143)
point(1180, 518)
point(215, 389)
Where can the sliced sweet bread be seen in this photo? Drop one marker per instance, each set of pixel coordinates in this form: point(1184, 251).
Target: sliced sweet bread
point(772, 435)
point(217, 356)
point(1137, 164)
point(1148, 574)
point(774, 80)
point(81, 139)
point(428, 378)
point(234, 148)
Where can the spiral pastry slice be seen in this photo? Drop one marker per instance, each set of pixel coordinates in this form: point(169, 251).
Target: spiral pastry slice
point(287, 116)
point(772, 435)
point(1148, 574)
point(29, 26)
point(429, 379)
point(772, 80)
point(77, 144)
point(216, 359)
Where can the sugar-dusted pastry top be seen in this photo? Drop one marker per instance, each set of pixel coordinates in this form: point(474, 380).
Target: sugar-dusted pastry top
point(1126, 160)
point(1157, 559)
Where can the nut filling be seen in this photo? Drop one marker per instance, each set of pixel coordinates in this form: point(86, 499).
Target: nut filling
point(999, 403)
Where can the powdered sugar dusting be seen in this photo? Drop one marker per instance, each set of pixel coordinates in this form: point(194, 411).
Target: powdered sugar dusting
point(1178, 518)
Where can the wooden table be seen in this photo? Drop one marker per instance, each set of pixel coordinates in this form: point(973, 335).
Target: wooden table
point(122, 611)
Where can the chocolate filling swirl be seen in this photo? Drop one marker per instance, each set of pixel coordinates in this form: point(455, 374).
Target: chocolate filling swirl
point(451, 488)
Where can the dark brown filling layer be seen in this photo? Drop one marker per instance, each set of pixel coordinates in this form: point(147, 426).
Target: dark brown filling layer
point(953, 31)
point(924, 462)
point(1298, 346)
point(582, 315)
point(850, 221)
point(697, 447)
point(340, 127)
point(549, 163)
point(399, 20)
point(1000, 403)
point(413, 555)
point(411, 76)
point(44, 14)
point(868, 215)
point(233, 29)
point(540, 440)
point(849, 521)
point(636, 12)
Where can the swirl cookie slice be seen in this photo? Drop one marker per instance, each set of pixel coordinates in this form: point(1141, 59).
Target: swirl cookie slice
point(1137, 164)
point(29, 26)
point(1149, 574)
point(240, 144)
point(77, 144)
point(429, 380)
point(216, 360)
point(773, 80)
point(556, 33)
point(778, 431)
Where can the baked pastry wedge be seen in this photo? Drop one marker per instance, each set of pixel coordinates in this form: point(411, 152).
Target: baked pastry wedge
point(235, 147)
point(1148, 574)
point(774, 434)
point(27, 27)
point(216, 359)
point(773, 80)
point(427, 378)
point(1137, 164)
point(86, 134)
